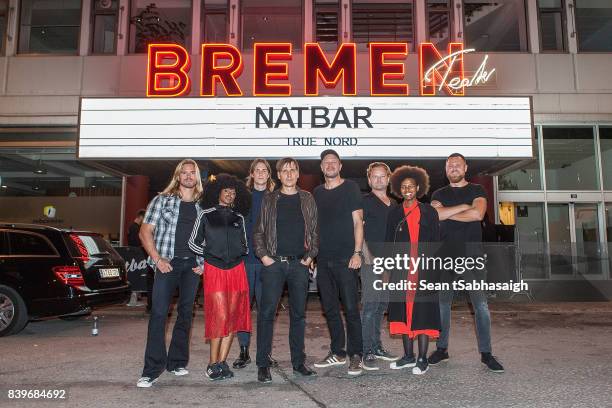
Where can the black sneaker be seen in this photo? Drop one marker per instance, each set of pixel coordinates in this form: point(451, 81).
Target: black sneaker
point(492, 363)
point(214, 372)
point(404, 362)
point(383, 354)
point(263, 375)
point(370, 363)
point(273, 362)
point(243, 359)
point(421, 366)
point(227, 373)
point(437, 356)
point(330, 360)
point(304, 371)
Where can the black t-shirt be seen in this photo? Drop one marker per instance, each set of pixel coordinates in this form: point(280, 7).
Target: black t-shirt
point(457, 231)
point(335, 211)
point(375, 217)
point(133, 238)
point(289, 226)
point(184, 227)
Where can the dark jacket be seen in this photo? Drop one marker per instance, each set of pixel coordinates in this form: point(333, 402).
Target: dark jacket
point(426, 310)
point(264, 236)
point(219, 235)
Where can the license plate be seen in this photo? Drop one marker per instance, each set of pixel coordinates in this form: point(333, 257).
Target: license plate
point(109, 273)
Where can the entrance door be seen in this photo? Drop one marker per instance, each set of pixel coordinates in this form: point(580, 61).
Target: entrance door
point(575, 240)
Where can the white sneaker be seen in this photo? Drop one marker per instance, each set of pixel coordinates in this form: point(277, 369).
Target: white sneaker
point(180, 371)
point(145, 382)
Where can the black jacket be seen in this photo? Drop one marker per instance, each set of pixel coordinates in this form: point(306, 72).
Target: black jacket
point(426, 310)
point(264, 235)
point(219, 235)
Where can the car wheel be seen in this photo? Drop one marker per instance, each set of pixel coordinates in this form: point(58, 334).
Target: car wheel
point(13, 312)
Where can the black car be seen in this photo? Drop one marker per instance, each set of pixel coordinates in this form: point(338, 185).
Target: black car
point(49, 272)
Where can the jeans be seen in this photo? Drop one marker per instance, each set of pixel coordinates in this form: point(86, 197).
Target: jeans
point(253, 271)
point(156, 359)
point(337, 283)
point(273, 280)
point(481, 311)
point(375, 303)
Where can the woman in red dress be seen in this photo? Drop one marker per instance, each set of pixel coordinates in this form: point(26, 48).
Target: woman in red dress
point(219, 235)
point(411, 228)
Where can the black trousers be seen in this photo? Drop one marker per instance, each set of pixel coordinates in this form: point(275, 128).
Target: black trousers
point(156, 359)
point(337, 283)
point(273, 279)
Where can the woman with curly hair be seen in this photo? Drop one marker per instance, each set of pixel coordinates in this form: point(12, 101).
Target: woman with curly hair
point(219, 235)
point(411, 228)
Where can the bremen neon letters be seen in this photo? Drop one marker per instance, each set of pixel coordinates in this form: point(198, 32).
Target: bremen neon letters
point(168, 67)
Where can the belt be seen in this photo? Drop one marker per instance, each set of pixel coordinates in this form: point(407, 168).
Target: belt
point(286, 258)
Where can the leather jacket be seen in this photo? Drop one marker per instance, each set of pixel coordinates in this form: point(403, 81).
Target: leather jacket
point(264, 235)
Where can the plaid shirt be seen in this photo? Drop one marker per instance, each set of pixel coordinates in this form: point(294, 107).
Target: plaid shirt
point(163, 213)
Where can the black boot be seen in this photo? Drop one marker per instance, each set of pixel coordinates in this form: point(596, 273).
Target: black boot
point(243, 359)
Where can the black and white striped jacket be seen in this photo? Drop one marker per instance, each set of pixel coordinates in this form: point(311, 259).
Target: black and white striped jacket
point(219, 235)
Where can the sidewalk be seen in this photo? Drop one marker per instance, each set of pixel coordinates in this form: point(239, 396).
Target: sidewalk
point(555, 354)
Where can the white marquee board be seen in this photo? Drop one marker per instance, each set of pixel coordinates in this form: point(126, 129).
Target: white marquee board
point(387, 127)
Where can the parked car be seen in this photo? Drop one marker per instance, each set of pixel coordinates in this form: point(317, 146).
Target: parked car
point(50, 272)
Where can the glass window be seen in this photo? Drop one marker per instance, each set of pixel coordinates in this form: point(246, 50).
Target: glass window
point(3, 17)
point(552, 25)
point(560, 237)
point(495, 25)
point(327, 23)
point(29, 244)
point(4, 249)
point(214, 21)
point(104, 30)
point(49, 26)
point(608, 216)
point(588, 248)
point(392, 21)
point(530, 227)
point(527, 177)
point(439, 22)
point(594, 25)
point(159, 22)
point(272, 21)
point(605, 141)
point(569, 155)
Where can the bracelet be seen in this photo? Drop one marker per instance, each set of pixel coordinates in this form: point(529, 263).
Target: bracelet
point(360, 253)
point(158, 259)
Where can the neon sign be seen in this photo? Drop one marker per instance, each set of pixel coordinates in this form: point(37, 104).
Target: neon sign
point(222, 64)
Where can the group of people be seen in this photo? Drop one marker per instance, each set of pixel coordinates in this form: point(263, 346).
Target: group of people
point(248, 240)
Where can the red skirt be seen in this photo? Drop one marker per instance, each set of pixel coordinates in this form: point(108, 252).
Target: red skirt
point(226, 301)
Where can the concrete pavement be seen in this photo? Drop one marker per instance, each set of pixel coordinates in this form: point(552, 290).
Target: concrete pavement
point(554, 354)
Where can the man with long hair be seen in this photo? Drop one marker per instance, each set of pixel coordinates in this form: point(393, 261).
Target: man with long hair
point(165, 234)
point(259, 182)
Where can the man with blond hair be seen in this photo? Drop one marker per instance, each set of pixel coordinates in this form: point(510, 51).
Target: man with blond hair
point(165, 234)
point(376, 207)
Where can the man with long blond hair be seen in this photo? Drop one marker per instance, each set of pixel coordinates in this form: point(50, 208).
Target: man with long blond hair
point(259, 182)
point(165, 234)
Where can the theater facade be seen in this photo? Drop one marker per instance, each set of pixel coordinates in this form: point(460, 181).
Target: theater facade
point(98, 99)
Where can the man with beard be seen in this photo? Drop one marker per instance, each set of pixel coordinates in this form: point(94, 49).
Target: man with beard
point(461, 207)
point(165, 233)
point(340, 210)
